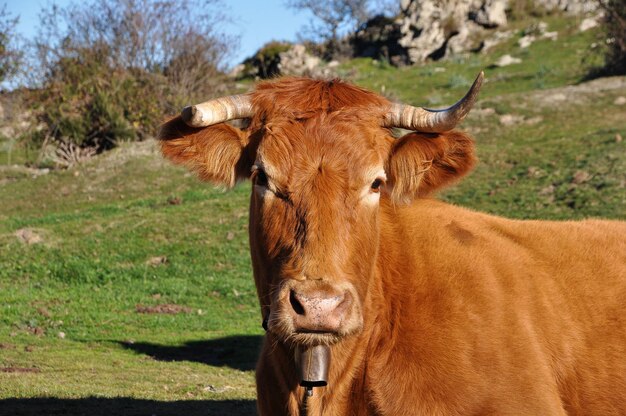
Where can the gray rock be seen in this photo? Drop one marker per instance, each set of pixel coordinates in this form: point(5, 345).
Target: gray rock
point(436, 28)
point(588, 23)
point(492, 14)
point(570, 6)
point(495, 39)
point(433, 29)
point(297, 61)
point(526, 41)
point(511, 119)
point(550, 35)
point(506, 60)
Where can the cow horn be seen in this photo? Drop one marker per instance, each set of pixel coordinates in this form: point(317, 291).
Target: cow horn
point(433, 121)
point(218, 110)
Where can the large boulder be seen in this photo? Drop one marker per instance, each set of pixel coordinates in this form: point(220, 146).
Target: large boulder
point(434, 28)
point(283, 58)
point(379, 38)
point(265, 63)
point(297, 61)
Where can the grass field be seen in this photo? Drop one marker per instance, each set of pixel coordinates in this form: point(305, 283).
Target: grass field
point(125, 283)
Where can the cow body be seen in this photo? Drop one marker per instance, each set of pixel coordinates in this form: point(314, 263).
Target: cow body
point(427, 308)
point(478, 315)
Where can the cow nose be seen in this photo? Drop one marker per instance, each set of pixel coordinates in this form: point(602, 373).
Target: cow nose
point(319, 310)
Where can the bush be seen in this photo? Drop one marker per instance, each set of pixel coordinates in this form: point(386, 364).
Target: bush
point(265, 62)
point(89, 104)
point(335, 22)
point(110, 70)
point(10, 55)
point(615, 32)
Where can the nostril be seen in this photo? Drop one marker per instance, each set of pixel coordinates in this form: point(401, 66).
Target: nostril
point(346, 301)
point(295, 303)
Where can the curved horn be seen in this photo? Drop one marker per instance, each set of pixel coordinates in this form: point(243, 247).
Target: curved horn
point(218, 110)
point(433, 121)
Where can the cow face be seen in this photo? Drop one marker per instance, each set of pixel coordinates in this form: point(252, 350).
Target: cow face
point(322, 168)
point(317, 185)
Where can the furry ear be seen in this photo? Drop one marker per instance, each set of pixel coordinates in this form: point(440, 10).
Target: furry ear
point(421, 163)
point(218, 154)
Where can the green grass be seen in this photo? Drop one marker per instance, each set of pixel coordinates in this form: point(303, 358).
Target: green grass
point(100, 224)
point(103, 222)
point(545, 64)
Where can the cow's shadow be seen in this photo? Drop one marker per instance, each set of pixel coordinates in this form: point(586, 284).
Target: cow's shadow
point(239, 351)
point(123, 406)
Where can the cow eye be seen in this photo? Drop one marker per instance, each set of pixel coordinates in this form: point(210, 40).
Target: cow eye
point(376, 185)
point(259, 177)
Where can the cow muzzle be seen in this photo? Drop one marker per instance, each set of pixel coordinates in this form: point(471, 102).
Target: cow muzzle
point(318, 310)
point(313, 312)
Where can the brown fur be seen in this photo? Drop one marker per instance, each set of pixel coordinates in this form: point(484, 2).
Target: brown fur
point(217, 153)
point(421, 163)
point(455, 312)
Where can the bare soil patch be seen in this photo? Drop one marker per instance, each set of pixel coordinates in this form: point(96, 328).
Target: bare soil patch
point(19, 370)
point(28, 236)
point(166, 308)
point(157, 261)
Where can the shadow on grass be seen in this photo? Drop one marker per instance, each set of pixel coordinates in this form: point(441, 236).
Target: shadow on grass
point(95, 406)
point(239, 352)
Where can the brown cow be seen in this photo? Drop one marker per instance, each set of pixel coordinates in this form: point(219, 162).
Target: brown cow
point(427, 308)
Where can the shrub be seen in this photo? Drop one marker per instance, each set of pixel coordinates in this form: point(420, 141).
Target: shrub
point(89, 104)
point(265, 62)
point(110, 69)
point(334, 20)
point(615, 32)
point(10, 54)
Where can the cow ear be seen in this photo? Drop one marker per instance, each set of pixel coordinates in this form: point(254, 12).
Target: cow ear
point(218, 153)
point(421, 163)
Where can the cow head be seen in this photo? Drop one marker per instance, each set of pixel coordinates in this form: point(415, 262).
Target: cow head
point(323, 163)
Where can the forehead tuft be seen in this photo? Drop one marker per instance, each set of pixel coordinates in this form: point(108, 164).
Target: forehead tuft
point(324, 143)
point(303, 98)
point(314, 126)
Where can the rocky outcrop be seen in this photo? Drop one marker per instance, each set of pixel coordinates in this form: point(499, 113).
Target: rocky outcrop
point(282, 58)
point(297, 61)
point(424, 29)
point(433, 29)
point(380, 38)
point(569, 6)
point(430, 29)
